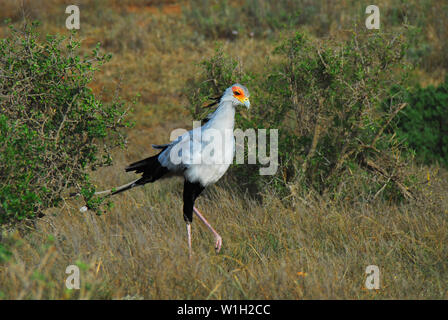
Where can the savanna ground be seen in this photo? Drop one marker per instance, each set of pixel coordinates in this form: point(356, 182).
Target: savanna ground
point(311, 247)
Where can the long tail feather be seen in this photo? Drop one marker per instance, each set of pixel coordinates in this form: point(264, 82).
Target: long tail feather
point(117, 189)
point(150, 167)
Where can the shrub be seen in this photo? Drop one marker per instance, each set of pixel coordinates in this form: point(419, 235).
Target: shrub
point(423, 125)
point(52, 127)
point(325, 99)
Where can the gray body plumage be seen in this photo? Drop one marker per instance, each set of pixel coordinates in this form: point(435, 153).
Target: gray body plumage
point(205, 153)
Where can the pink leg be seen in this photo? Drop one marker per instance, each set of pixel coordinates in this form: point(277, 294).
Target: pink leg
point(218, 238)
point(189, 238)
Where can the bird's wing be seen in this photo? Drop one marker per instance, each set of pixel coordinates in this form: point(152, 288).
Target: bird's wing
point(200, 146)
point(182, 152)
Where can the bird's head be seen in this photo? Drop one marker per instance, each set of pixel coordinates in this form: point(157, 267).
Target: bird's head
point(238, 94)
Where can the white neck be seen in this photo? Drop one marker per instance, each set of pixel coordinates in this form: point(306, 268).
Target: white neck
point(223, 117)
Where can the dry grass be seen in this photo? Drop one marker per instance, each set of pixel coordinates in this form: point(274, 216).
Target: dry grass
point(272, 251)
point(297, 249)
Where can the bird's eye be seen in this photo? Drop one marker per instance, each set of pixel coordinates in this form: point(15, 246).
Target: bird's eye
point(237, 93)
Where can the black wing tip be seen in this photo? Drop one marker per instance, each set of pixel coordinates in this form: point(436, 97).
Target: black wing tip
point(160, 146)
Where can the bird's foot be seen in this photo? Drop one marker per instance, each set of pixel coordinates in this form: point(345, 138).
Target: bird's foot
point(218, 243)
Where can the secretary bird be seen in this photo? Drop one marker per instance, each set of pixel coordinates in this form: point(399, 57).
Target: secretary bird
point(183, 156)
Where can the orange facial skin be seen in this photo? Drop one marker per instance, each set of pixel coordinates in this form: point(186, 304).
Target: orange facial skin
point(238, 93)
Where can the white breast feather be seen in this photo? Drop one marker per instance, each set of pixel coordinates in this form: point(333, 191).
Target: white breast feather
point(192, 154)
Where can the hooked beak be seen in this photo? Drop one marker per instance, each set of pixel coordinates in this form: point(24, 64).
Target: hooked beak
point(246, 103)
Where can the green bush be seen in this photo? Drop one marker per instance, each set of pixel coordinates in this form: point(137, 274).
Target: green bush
point(423, 125)
point(325, 99)
point(52, 127)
